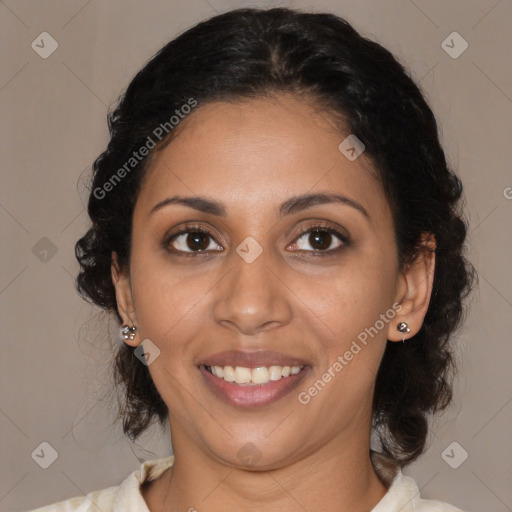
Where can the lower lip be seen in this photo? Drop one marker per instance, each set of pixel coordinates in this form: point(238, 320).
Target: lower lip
point(240, 395)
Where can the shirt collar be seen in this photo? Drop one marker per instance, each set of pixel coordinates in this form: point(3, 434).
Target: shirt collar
point(129, 497)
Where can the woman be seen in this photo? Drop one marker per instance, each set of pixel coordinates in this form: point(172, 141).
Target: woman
point(275, 225)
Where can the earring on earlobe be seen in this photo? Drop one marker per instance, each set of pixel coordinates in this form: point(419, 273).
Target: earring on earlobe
point(128, 332)
point(403, 328)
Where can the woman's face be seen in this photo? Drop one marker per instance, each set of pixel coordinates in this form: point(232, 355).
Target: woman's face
point(259, 288)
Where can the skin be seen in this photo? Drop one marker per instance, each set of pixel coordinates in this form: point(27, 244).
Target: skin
point(251, 156)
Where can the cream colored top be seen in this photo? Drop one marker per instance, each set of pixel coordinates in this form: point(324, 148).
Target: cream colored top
point(403, 494)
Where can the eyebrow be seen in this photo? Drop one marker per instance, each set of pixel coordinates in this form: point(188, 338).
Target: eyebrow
point(293, 205)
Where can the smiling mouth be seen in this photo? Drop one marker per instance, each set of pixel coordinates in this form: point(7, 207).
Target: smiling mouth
point(253, 376)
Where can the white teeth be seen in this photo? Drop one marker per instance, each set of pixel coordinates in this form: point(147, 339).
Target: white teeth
point(242, 375)
point(251, 376)
point(218, 371)
point(229, 373)
point(276, 372)
point(260, 375)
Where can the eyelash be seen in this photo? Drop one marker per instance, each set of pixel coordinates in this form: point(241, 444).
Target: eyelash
point(193, 228)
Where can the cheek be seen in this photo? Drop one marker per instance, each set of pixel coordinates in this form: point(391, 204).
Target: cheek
point(353, 311)
point(170, 303)
point(171, 313)
point(350, 298)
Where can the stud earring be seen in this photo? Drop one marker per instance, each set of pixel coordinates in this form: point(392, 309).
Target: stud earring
point(403, 328)
point(128, 332)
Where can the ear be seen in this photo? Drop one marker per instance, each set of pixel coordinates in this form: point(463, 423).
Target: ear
point(414, 290)
point(124, 297)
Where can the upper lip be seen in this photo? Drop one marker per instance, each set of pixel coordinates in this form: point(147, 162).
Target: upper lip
point(251, 359)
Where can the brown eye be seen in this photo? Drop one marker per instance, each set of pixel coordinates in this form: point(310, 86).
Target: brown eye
point(192, 241)
point(320, 239)
point(196, 241)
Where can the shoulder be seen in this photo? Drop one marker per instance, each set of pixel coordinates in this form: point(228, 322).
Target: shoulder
point(125, 497)
point(97, 500)
point(423, 505)
point(404, 495)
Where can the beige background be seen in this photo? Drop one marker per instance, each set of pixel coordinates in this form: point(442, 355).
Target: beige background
point(54, 354)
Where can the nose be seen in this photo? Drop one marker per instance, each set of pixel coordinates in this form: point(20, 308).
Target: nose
point(251, 297)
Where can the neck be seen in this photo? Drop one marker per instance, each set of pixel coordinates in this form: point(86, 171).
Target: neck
point(337, 477)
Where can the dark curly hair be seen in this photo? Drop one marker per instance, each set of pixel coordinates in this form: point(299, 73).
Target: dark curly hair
point(250, 53)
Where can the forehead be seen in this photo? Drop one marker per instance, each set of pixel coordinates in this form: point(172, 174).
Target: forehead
point(253, 152)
